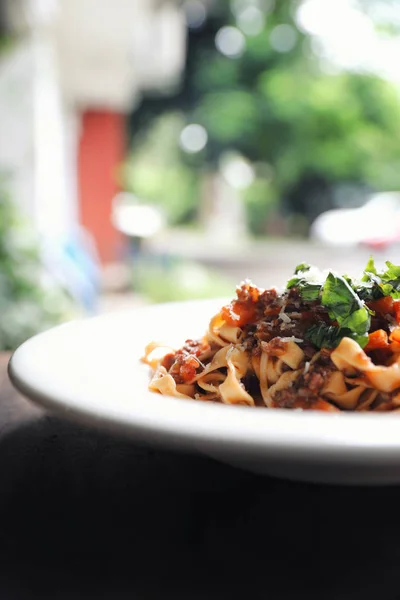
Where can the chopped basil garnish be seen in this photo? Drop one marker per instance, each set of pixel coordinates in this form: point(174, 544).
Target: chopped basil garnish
point(376, 285)
point(346, 309)
point(344, 306)
point(370, 269)
point(310, 291)
point(329, 336)
point(303, 267)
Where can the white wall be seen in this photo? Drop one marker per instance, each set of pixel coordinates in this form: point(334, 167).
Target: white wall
point(113, 49)
point(16, 124)
point(33, 142)
point(55, 198)
point(75, 54)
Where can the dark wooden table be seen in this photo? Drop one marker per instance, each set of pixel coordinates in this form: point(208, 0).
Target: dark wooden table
point(85, 515)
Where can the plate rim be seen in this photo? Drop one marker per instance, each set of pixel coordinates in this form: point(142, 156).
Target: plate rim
point(377, 435)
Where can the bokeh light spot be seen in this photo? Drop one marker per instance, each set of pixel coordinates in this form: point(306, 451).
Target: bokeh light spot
point(251, 20)
point(283, 38)
point(230, 41)
point(237, 171)
point(195, 13)
point(193, 138)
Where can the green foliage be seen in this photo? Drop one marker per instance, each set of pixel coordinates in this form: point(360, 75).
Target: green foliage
point(179, 281)
point(6, 43)
point(27, 304)
point(261, 201)
point(229, 116)
point(314, 129)
point(156, 174)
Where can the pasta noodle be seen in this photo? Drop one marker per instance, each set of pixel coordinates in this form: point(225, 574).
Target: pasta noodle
point(325, 343)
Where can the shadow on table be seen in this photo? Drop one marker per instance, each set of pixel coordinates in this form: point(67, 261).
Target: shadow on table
point(87, 516)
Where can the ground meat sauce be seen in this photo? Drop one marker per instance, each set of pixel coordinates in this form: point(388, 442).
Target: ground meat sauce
point(380, 322)
point(250, 342)
point(270, 303)
point(298, 317)
point(168, 360)
point(246, 309)
point(266, 316)
point(184, 368)
point(307, 388)
point(276, 347)
point(265, 335)
point(184, 364)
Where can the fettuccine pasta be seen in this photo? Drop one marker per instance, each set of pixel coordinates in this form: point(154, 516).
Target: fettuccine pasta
point(325, 343)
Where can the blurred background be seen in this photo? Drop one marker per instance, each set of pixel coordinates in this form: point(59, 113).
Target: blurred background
point(157, 150)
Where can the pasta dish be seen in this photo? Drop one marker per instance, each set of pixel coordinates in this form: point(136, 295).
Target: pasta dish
point(326, 342)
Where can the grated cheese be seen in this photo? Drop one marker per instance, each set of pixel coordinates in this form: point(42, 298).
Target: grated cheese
point(284, 317)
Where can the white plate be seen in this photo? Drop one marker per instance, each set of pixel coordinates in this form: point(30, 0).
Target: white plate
point(90, 371)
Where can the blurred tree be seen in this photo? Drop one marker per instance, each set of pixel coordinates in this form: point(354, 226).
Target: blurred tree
point(27, 304)
point(254, 81)
point(156, 172)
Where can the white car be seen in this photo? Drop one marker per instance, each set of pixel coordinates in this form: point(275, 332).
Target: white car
point(376, 224)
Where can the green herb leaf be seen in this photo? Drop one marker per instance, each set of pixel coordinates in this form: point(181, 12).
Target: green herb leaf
point(293, 282)
point(340, 300)
point(329, 336)
point(387, 289)
point(324, 336)
point(345, 307)
point(362, 340)
point(358, 321)
point(369, 292)
point(392, 272)
point(370, 268)
point(302, 267)
point(376, 285)
point(348, 279)
point(310, 291)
